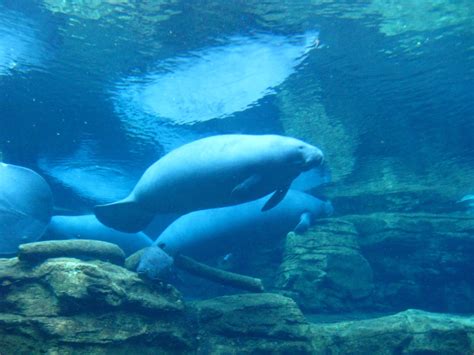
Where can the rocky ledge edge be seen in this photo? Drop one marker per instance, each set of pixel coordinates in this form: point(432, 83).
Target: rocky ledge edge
point(71, 306)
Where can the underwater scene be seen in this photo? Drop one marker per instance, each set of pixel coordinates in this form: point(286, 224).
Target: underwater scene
point(236, 177)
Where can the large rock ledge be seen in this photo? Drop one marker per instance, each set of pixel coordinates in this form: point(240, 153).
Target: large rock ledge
point(252, 323)
point(409, 332)
point(70, 306)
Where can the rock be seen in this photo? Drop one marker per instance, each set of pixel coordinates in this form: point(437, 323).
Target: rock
point(409, 332)
point(73, 306)
point(383, 262)
point(91, 334)
point(251, 323)
point(304, 115)
point(419, 260)
point(82, 249)
point(66, 286)
point(399, 185)
point(324, 270)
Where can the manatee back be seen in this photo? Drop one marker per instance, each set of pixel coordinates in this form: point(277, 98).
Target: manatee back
point(88, 227)
point(26, 205)
point(202, 174)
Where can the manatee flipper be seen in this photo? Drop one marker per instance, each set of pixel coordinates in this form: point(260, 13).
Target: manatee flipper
point(276, 198)
point(304, 223)
point(246, 187)
point(125, 216)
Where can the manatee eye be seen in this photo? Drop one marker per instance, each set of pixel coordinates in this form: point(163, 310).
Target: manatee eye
point(162, 245)
point(301, 147)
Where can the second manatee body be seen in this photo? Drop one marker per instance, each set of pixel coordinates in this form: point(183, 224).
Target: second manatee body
point(213, 172)
point(215, 231)
point(26, 206)
point(88, 227)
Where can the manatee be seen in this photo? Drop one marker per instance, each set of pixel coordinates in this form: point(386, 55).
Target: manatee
point(213, 232)
point(213, 172)
point(88, 227)
point(155, 263)
point(26, 205)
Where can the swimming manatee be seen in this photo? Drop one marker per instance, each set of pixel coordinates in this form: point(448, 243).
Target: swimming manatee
point(214, 232)
point(88, 227)
point(213, 172)
point(26, 205)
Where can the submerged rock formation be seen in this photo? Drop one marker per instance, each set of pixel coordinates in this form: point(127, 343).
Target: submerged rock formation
point(381, 261)
point(252, 323)
point(409, 332)
point(71, 306)
point(324, 270)
point(419, 260)
point(82, 307)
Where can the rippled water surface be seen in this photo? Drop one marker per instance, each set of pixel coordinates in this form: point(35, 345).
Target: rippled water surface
point(92, 92)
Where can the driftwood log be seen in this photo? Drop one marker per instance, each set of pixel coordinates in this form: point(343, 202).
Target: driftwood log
point(220, 276)
point(206, 272)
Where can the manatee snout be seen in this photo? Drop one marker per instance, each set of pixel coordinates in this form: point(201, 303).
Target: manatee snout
point(313, 156)
point(155, 263)
point(328, 209)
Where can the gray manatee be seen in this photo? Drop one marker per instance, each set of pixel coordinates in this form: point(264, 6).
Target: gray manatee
point(88, 227)
point(213, 172)
point(213, 232)
point(26, 206)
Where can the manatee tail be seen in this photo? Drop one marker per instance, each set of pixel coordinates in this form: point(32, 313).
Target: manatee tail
point(125, 216)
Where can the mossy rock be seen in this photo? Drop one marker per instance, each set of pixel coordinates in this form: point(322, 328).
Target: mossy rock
point(75, 248)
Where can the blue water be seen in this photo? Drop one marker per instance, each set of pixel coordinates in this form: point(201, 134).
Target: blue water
point(406, 94)
point(402, 88)
point(91, 95)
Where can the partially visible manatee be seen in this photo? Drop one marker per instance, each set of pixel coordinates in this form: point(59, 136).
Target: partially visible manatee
point(214, 232)
point(26, 205)
point(154, 263)
point(88, 227)
point(213, 172)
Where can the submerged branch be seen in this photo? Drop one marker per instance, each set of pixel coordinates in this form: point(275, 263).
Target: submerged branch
point(220, 276)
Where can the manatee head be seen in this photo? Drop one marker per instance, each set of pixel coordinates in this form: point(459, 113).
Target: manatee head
point(155, 263)
point(305, 156)
point(327, 209)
